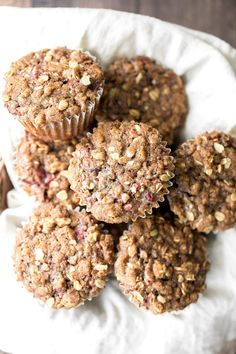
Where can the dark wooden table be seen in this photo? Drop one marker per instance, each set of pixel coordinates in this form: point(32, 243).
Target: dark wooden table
point(214, 16)
point(217, 17)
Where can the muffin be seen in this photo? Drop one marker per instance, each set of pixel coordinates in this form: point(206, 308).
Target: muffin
point(54, 92)
point(161, 264)
point(42, 169)
point(142, 90)
point(121, 171)
point(63, 257)
point(204, 191)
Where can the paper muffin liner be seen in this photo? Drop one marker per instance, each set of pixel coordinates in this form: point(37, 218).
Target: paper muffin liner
point(68, 127)
point(141, 214)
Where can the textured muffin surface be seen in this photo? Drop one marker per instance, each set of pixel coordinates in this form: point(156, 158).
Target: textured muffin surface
point(42, 169)
point(161, 264)
point(140, 89)
point(63, 257)
point(52, 84)
point(204, 191)
point(121, 171)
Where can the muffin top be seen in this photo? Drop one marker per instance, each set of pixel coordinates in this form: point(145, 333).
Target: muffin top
point(204, 191)
point(161, 264)
point(42, 169)
point(121, 171)
point(63, 257)
point(142, 90)
point(52, 84)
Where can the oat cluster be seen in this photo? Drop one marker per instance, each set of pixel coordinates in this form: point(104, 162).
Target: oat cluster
point(63, 257)
point(140, 89)
point(119, 174)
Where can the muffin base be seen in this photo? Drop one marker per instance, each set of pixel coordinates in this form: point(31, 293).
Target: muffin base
point(67, 128)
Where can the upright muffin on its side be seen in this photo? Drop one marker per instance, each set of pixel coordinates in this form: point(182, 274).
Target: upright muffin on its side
point(121, 171)
point(204, 191)
point(42, 169)
point(142, 90)
point(161, 264)
point(54, 92)
point(63, 257)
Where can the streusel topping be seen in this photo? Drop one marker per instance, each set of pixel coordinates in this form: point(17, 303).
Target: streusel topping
point(142, 90)
point(63, 257)
point(121, 171)
point(161, 264)
point(52, 84)
point(42, 169)
point(204, 191)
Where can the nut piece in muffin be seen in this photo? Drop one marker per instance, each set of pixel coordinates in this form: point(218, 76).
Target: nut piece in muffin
point(54, 92)
point(121, 171)
point(204, 191)
point(42, 169)
point(142, 90)
point(63, 257)
point(161, 264)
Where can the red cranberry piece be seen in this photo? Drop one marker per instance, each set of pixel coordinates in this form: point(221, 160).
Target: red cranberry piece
point(41, 173)
point(48, 179)
point(135, 187)
point(44, 177)
point(128, 207)
point(149, 197)
point(34, 75)
point(27, 182)
point(80, 232)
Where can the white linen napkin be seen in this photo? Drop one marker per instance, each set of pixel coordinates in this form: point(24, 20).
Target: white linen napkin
point(110, 324)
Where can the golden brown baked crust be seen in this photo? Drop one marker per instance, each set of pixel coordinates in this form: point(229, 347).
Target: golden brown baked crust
point(140, 89)
point(161, 264)
point(121, 171)
point(63, 257)
point(42, 169)
point(204, 191)
point(51, 85)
